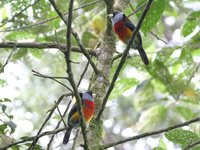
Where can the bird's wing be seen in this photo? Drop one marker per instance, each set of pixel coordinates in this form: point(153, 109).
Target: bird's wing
point(73, 117)
point(72, 112)
point(131, 26)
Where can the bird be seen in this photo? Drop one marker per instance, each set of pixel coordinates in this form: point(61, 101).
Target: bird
point(88, 106)
point(123, 27)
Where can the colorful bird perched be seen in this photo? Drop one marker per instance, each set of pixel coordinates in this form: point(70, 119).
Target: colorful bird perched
point(123, 27)
point(74, 118)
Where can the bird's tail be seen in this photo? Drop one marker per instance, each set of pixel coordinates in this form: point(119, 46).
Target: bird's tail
point(143, 55)
point(67, 135)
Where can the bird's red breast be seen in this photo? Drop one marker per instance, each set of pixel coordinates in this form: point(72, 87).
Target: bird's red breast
point(88, 110)
point(123, 32)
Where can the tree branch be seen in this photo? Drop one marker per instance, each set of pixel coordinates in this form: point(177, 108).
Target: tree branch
point(42, 45)
point(2, 68)
point(68, 62)
point(33, 137)
point(135, 11)
point(32, 146)
point(52, 78)
point(83, 73)
point(57, 126)
point(123, 59)
point(75, 138)
point(69, 71)
point(82, 48)
point(151, 133)
point(158, 37)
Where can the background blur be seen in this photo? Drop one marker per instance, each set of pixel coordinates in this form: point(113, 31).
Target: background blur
point(165, 93)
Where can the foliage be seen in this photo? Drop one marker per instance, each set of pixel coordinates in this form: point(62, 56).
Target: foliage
point(182, 137)
point(145, 98)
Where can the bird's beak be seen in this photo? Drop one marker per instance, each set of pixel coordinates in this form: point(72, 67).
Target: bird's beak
point(110, 15)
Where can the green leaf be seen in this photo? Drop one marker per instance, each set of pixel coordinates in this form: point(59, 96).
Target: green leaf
point(186, 60)
point(182, 137)
point(153, 15)
point(20, 53)
point(13, 36)
point(190, 23)
point(194, 15)
point(2, 128)
point(196, 52)
point(86, 38)
point(160, 71)
point(161, 146)
point(188, 27)
point(7, 100)
point(37, 147)
point(123, 85)
point(16, 147)
point(185, 112)
point(143, 96)
point(152, 118)
point(2, 82)
point(37, 53)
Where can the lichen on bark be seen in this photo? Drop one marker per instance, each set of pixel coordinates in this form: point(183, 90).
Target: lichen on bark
point(100, 82)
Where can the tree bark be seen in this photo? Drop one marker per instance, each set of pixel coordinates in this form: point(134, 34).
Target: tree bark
point(100, 82)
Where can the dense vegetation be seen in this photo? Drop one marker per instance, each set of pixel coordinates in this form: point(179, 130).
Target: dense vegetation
point(145, 98)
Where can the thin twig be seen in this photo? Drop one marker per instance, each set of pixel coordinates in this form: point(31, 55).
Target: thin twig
point(17, 14)
point(85, 52)
point(118, 56)
point(32, 146)
point(52, 78)
point(75, 138)
point(61, 116)
point(151, 133)
point(135, 11)
point(131, 5)
point(83, 73)
point(158, 37)
point(46, 76)
point(57, 126)
point(123, 59)
point(7, 60)
point(82, 48)
point(34, 137)
point(50, 19)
